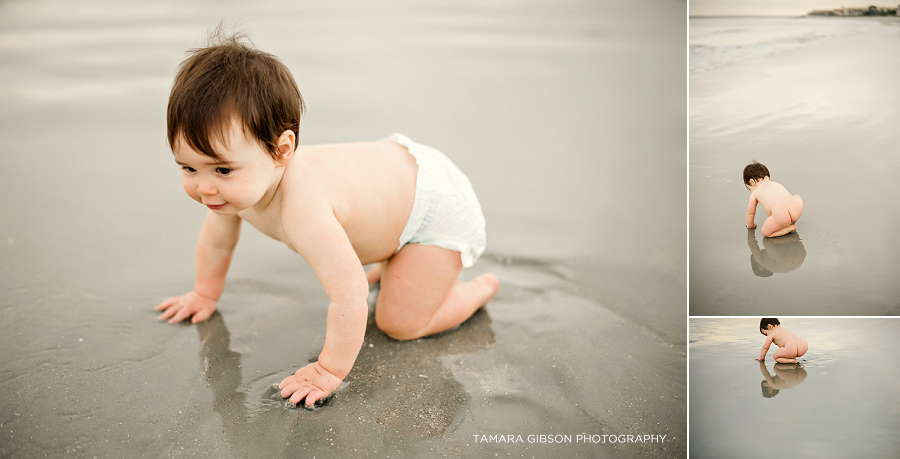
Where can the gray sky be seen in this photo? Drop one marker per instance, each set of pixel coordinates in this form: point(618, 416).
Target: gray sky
point(776, 7)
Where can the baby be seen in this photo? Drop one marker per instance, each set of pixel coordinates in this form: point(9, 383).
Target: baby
point(789, 345)
point(782, 208)
point(233, 120)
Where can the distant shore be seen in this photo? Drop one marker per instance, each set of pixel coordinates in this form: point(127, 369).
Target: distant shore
point(856, 11)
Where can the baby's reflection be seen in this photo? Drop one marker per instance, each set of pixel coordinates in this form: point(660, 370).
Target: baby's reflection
point(222, 367)
point(405, 386)
point(781, 254)
point(787, 375)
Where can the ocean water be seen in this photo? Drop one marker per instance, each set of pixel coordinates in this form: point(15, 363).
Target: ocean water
point(545, 106)
point(818, 113)
point(721, 41)
point(840, 400)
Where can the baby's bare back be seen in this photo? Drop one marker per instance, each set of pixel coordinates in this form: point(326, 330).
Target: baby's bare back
point(783, 337)
point(772, 196)
point(369, 185)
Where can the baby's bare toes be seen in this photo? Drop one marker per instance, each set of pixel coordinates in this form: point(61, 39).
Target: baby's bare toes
point(490, 283)
point(374, 274)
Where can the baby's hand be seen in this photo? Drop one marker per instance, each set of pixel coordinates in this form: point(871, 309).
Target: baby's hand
point(312, 382)
point(751, 226)
point(191, 304)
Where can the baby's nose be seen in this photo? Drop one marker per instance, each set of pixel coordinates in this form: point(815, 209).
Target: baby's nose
point(206, 189)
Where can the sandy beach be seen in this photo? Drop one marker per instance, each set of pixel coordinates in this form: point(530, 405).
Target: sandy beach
point(545, 105)
point(812, 103)
point(839, 400)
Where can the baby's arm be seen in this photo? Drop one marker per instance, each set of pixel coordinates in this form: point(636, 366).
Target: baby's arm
point(765, 373)
point(754, 245)
point(314, 231)
point(215, 245)
point(765, 348)
point(751, 211)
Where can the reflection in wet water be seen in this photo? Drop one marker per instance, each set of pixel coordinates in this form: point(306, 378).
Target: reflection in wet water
point(222, 368)
point(781, 254)
point(787, 376)
point(402, 386)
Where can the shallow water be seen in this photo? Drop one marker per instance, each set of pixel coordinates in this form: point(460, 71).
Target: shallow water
point(545, 105)
point(815, 116)
point(722, 41)
point(840, 400)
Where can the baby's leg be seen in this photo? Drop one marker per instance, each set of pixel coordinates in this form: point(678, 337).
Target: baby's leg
point(420, 295)
point(778, 224)
point(797, 210)
point(785, 354)
point(802, 347)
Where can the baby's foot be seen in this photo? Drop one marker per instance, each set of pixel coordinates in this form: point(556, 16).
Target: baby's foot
point(374, 274)
point(490, 284)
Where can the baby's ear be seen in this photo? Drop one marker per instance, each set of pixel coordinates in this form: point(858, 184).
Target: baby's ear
point(285, 146)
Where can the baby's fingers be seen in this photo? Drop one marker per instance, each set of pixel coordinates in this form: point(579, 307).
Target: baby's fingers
point(172, 309)
point(200, 316)
point(300, 394)
point(182, 314)
point(166, 303)
point(313, 396)
point(288, 386)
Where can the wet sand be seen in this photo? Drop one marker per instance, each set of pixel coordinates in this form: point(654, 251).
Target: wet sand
point(544, 105)
point(840, 400)
point(815, 116)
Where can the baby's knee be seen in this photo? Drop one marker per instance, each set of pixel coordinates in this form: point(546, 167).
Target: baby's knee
point(397, 331)
point(771, 229)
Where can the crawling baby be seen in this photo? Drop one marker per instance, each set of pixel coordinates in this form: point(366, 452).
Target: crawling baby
point(782, 208)
point(789, 345)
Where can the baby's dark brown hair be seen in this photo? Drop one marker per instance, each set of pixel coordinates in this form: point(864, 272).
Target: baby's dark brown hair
point(755, 171)
point(230, 78)
point(764, 323)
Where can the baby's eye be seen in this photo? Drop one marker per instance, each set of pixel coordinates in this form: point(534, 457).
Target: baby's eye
point(223, 170)
point(188, 169)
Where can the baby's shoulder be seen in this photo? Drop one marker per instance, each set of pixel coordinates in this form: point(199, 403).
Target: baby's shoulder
point(777, 186)
point(305, 183)
point(767, 189)
point(780, 333)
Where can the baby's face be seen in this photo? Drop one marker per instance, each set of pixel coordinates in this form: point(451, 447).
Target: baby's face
point(226, 188)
